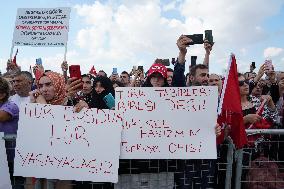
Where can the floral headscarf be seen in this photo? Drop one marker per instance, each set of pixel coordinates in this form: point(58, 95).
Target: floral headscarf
point(58, 82)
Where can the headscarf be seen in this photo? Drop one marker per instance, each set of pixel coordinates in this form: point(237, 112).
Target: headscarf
point(58, 82)
point(98, 101)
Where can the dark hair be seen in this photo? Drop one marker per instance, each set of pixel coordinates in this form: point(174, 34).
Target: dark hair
point(105, 83)
point(197, 66)
point(98, 101)
point(125, 72)
point(103, 72)
point(118, 83)
point(4, 88)
point(170, 70)
point(148, 82)
point(27, 74)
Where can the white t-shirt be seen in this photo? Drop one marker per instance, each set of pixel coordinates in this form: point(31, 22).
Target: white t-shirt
point(19, 100)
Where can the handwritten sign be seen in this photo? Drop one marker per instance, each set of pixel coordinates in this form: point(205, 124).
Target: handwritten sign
point(54, 142)
point(5, 182)
point(168, 123)
point(41, 27)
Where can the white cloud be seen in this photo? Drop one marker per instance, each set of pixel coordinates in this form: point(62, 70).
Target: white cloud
point(271, 52)
point(123, 35)
point(169, 6)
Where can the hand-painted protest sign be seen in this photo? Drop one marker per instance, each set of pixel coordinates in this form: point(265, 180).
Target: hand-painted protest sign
point(5, 182)
point(41, 27)
point(168, 123)
point(54, 142)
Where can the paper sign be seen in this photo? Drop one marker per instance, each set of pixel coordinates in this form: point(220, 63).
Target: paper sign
point(54, 142)
point(168, 123)
point(5, 182)
point(41, 27)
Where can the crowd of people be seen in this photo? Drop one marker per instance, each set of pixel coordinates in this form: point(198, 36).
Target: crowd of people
point(48, 87)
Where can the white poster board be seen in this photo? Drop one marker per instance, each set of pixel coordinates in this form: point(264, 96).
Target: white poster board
point(54, 142)
point(41, 27)
point(168, 123)
point(5, 182)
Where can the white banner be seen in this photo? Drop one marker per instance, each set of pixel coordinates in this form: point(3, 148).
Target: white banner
point(41, 27)
point(5, 182)
point(54, 142)
point(168, 123)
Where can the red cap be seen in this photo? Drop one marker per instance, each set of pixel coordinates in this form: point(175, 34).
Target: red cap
point(160, 68)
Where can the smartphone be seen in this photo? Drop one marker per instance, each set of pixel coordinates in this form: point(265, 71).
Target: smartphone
point(114, 70)
point(38, 61)
point(109, 100)
point(196, 39)
point(74, 71)
point(140, 68)
point(209, 36)
point(165, 62)
point(193, 60)
point(253, 65)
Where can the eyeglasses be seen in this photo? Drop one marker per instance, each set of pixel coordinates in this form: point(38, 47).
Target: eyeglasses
point(241, 83)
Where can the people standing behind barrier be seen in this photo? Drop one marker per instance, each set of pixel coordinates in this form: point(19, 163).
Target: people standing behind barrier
point(9, 116)
point(193, 173)
point(101, 87)
point(83, 90)
point(254, 116)
point(22, 84)
point(51, 90)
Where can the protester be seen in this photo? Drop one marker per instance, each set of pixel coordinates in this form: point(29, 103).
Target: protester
point(9, 116)
point(51, 90)
point(250, 106)
point(137, 81)
point(198, 76)
point(125, 79)
point(170, 73)
point(102, 73)
point(117, 84)
point(215, 80)
point(22, 84)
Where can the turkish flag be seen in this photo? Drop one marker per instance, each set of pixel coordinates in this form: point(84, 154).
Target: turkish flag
point(93, 71)
point(230, 109)
point(15, 59)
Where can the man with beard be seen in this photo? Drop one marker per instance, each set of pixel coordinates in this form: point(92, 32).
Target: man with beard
point(193, 173)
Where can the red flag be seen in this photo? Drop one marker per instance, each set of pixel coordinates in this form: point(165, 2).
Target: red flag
point(93, 71)
point(14, 59)
point(230, 109)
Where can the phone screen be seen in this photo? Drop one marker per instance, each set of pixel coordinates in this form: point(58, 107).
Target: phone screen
point(74, 71)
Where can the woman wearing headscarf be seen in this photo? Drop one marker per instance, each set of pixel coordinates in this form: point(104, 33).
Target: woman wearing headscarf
point(51, 90)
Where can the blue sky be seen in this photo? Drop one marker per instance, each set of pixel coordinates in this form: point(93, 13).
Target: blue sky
point(124, 33)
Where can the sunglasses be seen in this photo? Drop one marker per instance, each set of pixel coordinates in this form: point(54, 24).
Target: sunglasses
point(241, 83)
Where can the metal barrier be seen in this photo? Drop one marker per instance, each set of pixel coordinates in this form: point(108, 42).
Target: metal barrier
point(261, 165)
point(166, 169)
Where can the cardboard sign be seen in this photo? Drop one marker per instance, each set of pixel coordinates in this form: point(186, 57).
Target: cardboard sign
point(168, 123)
point(5, 182)
point(41, 27)
point(54, 142)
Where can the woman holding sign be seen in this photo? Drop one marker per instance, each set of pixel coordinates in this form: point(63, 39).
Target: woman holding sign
point(51, 90)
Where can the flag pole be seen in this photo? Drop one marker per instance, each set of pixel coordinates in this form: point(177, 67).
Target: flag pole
point(65, 52)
